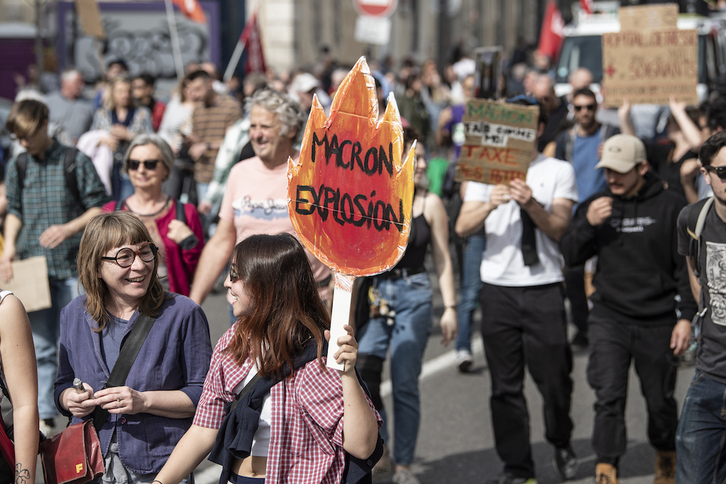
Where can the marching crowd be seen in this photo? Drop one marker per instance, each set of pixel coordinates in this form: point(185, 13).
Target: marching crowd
point(142, 207)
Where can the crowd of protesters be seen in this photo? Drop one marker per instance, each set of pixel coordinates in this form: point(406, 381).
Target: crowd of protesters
point(177, 195)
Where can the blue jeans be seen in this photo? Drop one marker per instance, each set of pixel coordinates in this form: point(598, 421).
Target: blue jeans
point(702, 433)
point(470, 287)
point(45, 325)
point(410, 298)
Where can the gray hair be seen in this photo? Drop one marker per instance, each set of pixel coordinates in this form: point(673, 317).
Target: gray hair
point(167, 156)
point(70, 74)
point(288, 111)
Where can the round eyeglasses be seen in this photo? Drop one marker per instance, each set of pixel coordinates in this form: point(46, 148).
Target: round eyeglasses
point(126, 255)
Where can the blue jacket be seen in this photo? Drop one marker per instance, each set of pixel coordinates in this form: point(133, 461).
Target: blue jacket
point(174, 356)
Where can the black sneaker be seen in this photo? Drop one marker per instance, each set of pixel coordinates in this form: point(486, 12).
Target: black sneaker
point(566, 463)
point(507, 478)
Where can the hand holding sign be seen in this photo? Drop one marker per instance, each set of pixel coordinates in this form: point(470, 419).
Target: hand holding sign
point(350, 194)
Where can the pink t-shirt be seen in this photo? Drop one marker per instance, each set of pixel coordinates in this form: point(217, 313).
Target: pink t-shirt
point(255, 200)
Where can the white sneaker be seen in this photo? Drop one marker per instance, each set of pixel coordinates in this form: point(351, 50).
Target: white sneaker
point(405, 476)
point(464, 360)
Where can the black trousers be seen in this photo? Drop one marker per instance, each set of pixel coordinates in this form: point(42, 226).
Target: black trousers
point(526, 325)
point(612, 347)
point(575, 290)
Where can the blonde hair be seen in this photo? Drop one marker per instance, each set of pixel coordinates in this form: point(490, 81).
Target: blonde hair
point(103, 233)
point(110, 102)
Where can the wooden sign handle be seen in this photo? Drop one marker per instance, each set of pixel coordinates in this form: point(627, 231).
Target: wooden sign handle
point(342, 296)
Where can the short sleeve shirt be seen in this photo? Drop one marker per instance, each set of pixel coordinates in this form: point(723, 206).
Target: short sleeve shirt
point(711, 358)
point(255, 200)
point(502, 261)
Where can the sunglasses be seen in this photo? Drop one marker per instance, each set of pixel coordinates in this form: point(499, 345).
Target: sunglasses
point(150, 165)
point(589, 107)
point(719, 170)
point(233, 275)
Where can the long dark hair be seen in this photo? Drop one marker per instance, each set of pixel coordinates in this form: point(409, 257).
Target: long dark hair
point(287, 312)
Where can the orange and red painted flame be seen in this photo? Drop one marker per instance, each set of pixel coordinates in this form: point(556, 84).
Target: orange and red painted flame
point(350, 194)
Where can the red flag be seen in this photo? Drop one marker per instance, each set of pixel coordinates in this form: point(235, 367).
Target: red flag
point(552, 33)
point(586, 6)
point(253, 43)
point(192, 10)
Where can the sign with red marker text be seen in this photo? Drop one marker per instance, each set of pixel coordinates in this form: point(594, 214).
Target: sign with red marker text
point(500, 141)
point(350, 194)
point(650, 59)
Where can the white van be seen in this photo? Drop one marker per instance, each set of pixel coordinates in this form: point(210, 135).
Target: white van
point(582, 47)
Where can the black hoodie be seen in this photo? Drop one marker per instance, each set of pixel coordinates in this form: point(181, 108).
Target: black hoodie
point(639, 271)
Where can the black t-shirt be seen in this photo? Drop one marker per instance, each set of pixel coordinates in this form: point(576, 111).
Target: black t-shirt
point(668, 169)
point(711, 358)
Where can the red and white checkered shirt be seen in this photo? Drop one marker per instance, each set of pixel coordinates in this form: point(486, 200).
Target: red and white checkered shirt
point(306, 433)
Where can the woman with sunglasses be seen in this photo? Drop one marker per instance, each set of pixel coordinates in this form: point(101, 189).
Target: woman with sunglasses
point(149, 161)
point(298, 420)
point(117, 266)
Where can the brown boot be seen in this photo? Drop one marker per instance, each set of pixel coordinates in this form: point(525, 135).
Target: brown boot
point(665, 468)
point(606, 474)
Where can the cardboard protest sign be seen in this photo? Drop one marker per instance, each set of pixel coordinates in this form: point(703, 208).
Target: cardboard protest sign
point(350, 194)
point(30, 283)
point(648, 17)
point(650, 59)
point(90, 18)
point(500, 141)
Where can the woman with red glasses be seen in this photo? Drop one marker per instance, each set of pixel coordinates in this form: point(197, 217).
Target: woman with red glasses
point(174, 227)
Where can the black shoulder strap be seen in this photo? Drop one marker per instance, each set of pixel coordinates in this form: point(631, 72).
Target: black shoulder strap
point(69, 170)
point(129, 350)
point(180, 215)
point(119, 205)
point(21, 163)
point(244, 392)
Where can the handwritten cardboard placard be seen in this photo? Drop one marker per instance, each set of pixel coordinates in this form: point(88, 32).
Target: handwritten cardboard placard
point(649, 17)
point(648, 65)
point(30, 283)
point(350, 194)
point(500, 141)
point(90, 17)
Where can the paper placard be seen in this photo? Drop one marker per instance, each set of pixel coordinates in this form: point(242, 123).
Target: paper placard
point(649, 17)
point(30, 283)
point(90, 17)
point(500, 141)
point(650, 59)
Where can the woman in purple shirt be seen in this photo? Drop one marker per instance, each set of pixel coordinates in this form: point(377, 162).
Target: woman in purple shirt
point(117, 266)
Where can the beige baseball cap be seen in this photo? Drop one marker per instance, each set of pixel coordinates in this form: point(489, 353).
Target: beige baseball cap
point(621, 153)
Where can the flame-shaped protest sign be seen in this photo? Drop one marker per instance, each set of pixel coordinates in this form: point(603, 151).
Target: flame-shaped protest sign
point(350, 195)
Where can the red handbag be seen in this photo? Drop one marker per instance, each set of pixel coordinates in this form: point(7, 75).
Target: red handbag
point(73, 456)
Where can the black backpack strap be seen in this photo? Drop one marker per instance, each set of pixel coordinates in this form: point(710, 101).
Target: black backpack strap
point(180, 215)
point(21, 164)
point(244, 392)
point(69, 170)
point(119, 205)
point(129, 350)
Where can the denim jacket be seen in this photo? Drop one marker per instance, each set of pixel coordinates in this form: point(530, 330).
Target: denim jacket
point(174, 356)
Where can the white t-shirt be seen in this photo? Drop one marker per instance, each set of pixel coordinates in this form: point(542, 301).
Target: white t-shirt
point(502, 262)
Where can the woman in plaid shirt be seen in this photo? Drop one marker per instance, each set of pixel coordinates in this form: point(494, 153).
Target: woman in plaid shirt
point(311, 417)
